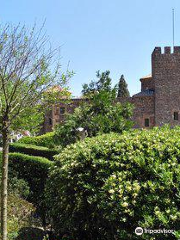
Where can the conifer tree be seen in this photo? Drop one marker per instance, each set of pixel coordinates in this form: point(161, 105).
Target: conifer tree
point(123, 88)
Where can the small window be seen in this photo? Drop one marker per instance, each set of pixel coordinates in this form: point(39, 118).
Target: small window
point(50, 121)
point(62, 110)
point(146, 122)
point(176, 116)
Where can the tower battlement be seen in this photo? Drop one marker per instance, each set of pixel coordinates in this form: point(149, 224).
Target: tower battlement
point(166, 77)
point(166, 50)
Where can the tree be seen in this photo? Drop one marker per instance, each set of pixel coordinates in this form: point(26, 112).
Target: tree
point(27, 70)
point(103, 83)
point(99, 112)
point(123, 88)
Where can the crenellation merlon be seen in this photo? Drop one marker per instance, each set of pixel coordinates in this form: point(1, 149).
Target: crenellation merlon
point(157, 51)
point(176, 50)
point(167, 50)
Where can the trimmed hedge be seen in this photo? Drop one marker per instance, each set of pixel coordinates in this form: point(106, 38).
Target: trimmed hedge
point(33, 150)
point(45, 140)
point(105, 187)
point(33, 170)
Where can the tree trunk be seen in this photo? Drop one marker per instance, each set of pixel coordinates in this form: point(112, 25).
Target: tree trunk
point(4, 182)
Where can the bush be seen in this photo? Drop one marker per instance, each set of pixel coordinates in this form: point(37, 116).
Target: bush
point(18, 187)
point(104, 187)
point(33, 150)
point(19, 215)
point(19, 210)
point(45, 140)
point(34, 170)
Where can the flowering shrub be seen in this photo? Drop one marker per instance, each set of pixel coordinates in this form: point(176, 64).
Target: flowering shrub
point(105, 187)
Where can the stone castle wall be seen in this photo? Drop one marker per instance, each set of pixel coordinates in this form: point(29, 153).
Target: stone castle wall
point(166, 75)
point(143, 109)
point(58, 113)
point(147, 83)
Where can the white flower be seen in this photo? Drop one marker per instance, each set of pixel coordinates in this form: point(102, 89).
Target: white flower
point(125, 204)
point(111, 191)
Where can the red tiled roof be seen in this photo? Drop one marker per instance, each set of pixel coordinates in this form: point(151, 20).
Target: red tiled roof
point(55, 88)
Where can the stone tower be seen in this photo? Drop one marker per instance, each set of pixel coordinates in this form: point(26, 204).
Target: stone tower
point(166, 76)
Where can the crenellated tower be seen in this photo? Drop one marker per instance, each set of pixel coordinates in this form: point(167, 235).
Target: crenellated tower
point(166, 77)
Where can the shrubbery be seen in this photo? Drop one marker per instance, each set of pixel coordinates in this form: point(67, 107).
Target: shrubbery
point(34, 170)
point(20, 211)
point(104, 187)
point(46, 140)
point(18, 187)
point(19, 215)
point(33, 150)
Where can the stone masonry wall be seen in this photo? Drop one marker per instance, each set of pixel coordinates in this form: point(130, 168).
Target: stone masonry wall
point(143, 109)
point(166, 75)
point(147, 84)
point(55, 116)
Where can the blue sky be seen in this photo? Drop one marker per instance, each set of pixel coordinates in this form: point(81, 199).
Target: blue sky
point(101, 35)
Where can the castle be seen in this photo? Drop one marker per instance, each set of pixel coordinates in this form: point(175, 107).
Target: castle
point(157, 104)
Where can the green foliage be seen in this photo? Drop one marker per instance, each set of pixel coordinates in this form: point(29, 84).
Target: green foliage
point(34, 170)
point(45, 140)
point(26, 74)
point(104, 187)
point(19, 215)
point(102, 84)
point(31, 233)
point(20, 211)
point(24, 97)
point(30, 119)
point(19, 187)
point(33, 150)
point(123, 88)
point(16, 187)
point(0, 141)
point(99, 114)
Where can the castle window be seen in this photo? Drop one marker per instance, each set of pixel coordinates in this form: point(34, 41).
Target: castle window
point(50, 121)
point(62, 110)
point(146, 122)
point(176, 116)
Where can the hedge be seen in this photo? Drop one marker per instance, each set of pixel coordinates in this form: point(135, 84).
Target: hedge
point(33, 150)
point(45, 140)
point(105, 187)
point(33, 170)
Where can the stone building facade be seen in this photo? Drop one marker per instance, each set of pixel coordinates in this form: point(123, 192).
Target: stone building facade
point(157, 103)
